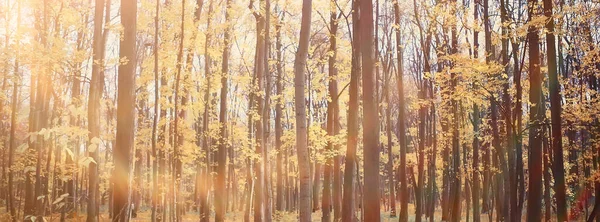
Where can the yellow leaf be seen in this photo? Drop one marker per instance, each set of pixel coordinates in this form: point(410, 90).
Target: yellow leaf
point(92, 147)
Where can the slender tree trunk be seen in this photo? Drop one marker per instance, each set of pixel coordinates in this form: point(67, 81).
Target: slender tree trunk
point(547, 176)
point(348, 200)
point(337, 173)
point(390, 165)
point(403, 193)
point(456, 176)
point(266, 117)
point(206, 143)
point(259, 68)
point(301, 128)
point(485, 158)
point(32, 179)
point(476, 121)
point(12, 142)
point(177, 134)
point(155, 158)
point(96, 89)
point(421, 154)
point(280, 203)
point(138, 156)
point(555, 108)
point(331, 116)
point(220, 203)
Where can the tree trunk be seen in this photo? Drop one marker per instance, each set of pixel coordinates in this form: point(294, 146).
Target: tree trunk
point(331, 116)
point(259, 68)
point(12, 143)
point(220, 195)
point(403, 193)
point(266, 117)
point(155, 159)
point(280, 203)
point(96, 89)
point(352, 140)
point(125, 112)
point(476, 122)
point(370, 117)
point(301, 128)
point(535, 118)
point(206, 143)
point(177, 134)
point(555, 108)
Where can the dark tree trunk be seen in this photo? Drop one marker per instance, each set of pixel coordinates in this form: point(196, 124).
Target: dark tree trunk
point(555, 108)
point(403, 192)
point(220, 195)
point(476, 121)
point(125, 112)
point(536, 118)
point(371, 194)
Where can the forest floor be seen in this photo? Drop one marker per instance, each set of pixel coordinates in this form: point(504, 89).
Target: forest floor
point(145, 215)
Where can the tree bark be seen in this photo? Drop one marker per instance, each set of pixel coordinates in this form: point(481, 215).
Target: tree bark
point(536, 118)
point(555, 109)
point(301, 128)
point(371, 195)
point(155, 159)
point(280, 203)
point(348, 200)
point(331, 118)
point(96, 89)
point(476, 122)
point(125, 112)
point(220, 195)
point(259, 63)
point(403, 193)
point(12, 143)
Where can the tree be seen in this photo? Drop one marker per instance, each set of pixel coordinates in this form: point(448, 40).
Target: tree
point(12, 143)
point(534, 206)
point(96, 89)
point(155, 156)
point(403, 193)
point(370, 116)
point(301, 129)
point(332, 114)
point(352, 139)
point(476, 122)
point(279, 203)
point(555, 108)
point(125, 112)
point(177, 134)
point(259, 71)
point(220, 195)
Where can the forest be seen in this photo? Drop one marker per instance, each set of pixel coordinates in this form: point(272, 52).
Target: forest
point(299, 110)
